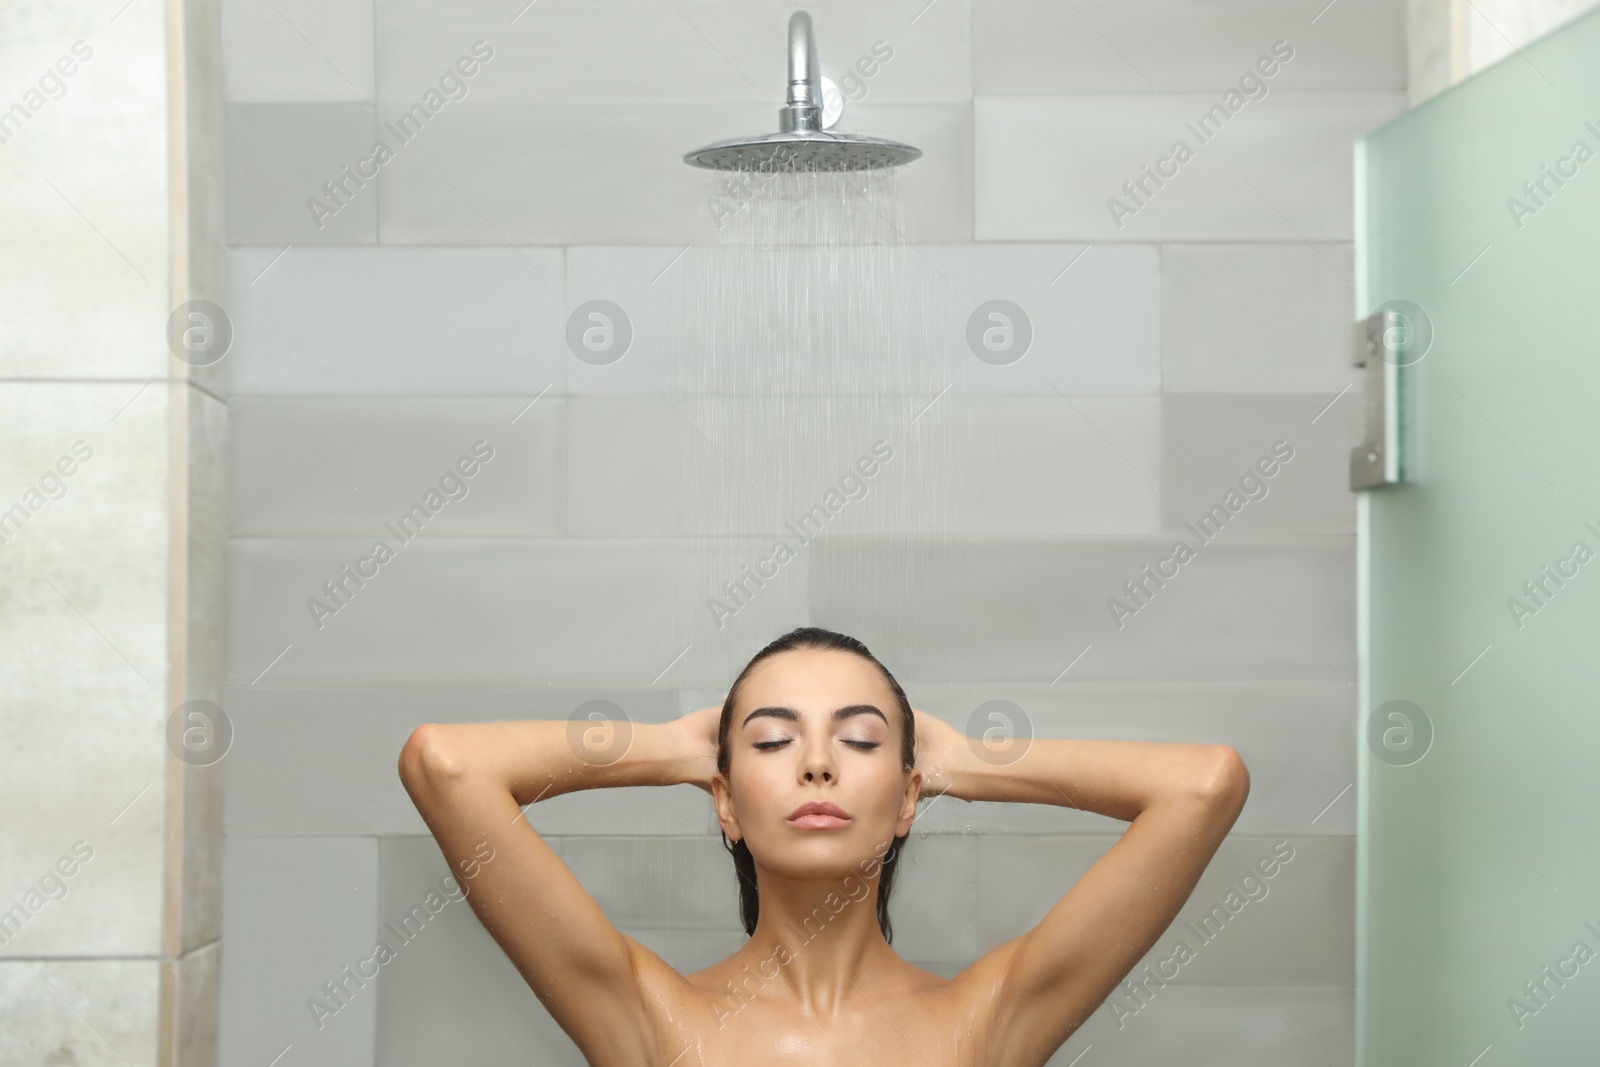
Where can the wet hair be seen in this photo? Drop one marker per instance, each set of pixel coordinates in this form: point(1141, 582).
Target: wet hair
point(743, 862)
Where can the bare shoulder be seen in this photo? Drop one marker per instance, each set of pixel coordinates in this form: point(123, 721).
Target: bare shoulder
point(727, 1013)
point(679, 1007)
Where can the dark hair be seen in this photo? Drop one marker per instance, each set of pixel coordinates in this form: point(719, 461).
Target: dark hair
point(743, 862)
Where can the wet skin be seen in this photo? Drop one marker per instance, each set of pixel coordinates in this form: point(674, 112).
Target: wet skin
point(817, 983)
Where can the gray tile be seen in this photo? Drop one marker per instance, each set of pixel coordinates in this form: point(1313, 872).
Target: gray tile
point(1293, 927)
point(296, 911)
point(1085, 320)
point(1139, 46)
point(680, 883)
point(348, 783)
point(395, 321)
point(689, 951)
point(1025, 610)
point(1270, 318)
point(297, 51)
point(329, 466)
point(1288, 1026)
point(935, 905)
point(449, 978)
point(1092, 311)
point(1216, 445)
point(281, 156)
point(723, 318)
point(612, 173)
point(718, 51)
point(1295, 737)
point(1052, 168)
point(788, 468)
point(500, 612)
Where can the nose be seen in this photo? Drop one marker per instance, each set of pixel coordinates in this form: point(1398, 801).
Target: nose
point(816, 763)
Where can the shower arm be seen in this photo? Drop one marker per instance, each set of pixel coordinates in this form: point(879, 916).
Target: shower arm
point(804, 109)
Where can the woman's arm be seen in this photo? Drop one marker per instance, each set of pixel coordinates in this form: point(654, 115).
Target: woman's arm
point(1181, 800)
point(469, 782)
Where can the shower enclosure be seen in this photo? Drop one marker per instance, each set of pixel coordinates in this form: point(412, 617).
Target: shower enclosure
point(1478, 912)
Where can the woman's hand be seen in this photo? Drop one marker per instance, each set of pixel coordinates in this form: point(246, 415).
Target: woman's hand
point(938, 743)
point(699, 730)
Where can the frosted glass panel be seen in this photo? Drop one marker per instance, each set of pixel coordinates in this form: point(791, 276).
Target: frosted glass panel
point(1479, 903)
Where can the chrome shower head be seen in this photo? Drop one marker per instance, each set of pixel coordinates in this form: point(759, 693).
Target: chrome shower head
point(801, 143)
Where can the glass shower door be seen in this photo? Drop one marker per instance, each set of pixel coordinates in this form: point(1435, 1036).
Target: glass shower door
point(1478, 904)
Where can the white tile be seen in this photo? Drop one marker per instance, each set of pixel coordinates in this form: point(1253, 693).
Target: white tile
point(297, 51)
point(1140, 46)
point(613, 173)
point(330, 466)
point(1272, 318)
point(395, 321)
point(281, 157)
point(1211, 1026)
point(448, 980)
point(1293, 736)
point(348, 782)
point(1296, 927)
point(975, 610)
point(1498, 28)
point(502, 611)
point(974, 466)
point(85, 237)
point(1215, 445)
point(637, 51)
point(1088, 322)
point(297, 911)
point(84, 565)
point(1048, 168)
point(99, 1013)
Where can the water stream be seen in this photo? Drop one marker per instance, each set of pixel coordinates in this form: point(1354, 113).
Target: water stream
point(810, 321)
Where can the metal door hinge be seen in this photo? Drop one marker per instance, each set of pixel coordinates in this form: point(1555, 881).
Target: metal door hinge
point(1376, 460)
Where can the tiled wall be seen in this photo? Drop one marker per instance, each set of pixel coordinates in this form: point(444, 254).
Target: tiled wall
point(431, 311)
point(113, 529)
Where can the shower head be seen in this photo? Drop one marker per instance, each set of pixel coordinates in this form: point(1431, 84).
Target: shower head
point(801, 143)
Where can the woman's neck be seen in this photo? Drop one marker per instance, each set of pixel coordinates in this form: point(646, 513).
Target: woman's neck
point(815, 942)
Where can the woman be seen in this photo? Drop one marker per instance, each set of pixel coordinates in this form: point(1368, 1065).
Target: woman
point(816, 762)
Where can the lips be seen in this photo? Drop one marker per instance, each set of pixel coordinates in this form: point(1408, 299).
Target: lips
point(819, 815)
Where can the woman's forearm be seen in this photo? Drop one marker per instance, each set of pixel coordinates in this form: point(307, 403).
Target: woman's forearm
point(541, 758)
point(1115, 778)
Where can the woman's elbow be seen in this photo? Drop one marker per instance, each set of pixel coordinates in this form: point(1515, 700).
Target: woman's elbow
point(1227, 779)
point(428, 755)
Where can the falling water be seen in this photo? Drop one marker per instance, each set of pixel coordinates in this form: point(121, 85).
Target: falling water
point(814, 331)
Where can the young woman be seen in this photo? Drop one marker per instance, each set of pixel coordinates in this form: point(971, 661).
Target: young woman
point(816, 762)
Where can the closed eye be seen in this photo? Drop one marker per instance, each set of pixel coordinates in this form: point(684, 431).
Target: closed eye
point(865, 746)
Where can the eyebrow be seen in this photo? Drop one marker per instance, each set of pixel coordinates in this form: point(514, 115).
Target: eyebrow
point(849, 711)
